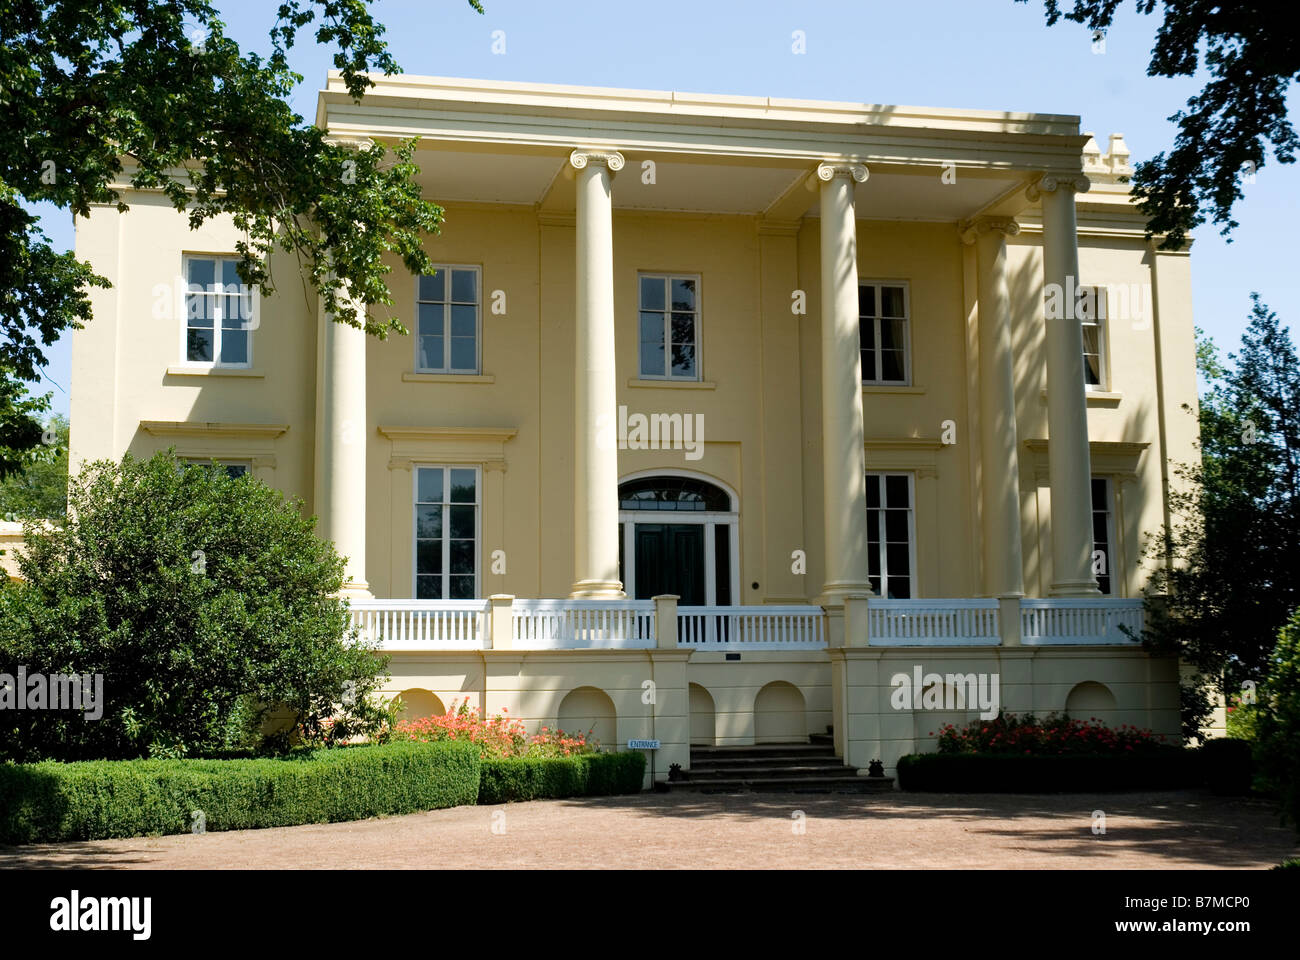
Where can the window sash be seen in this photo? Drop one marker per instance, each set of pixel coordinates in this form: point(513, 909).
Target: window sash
point(891, 520)
point(447, 307)
point(221, 320)
point(1103, 521)
point(1096, 376)
point(664, 340)
point(875, 353)
point(445, 550)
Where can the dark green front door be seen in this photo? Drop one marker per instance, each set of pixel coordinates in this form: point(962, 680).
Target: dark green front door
point(670, 559)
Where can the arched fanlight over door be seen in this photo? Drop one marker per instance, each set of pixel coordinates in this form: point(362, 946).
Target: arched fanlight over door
point(673, 493)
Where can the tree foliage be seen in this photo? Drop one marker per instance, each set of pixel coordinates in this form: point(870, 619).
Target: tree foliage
point(205, 602)
point(1227, 128)
point(153, 94)
point(40, 490)
point(1234, 543)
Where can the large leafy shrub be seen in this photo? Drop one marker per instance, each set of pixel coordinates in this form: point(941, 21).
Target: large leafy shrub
point(50, 802)
point(205, 601)
point(498, 736)
point(1278, 749)
point(1054, 735)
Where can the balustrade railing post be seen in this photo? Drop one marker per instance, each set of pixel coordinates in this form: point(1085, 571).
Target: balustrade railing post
point(500, 624)
point(666, 621)
point(1009, 620)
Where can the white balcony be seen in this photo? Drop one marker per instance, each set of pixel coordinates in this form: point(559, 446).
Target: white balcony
point(403, 626)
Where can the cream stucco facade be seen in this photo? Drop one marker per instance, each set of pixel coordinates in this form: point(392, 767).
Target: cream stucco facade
point(1005, 469)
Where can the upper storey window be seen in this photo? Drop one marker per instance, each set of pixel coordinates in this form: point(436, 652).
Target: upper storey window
point(448, 315)
point(1093, 308)
point(884, 334)
point(669, 326)
point(220, 313)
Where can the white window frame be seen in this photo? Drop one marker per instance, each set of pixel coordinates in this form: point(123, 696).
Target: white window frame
point(1111, 546)
point(446, 527)
point(215, 362)
point(1101, 322)
point(911, 533)
point(670, 276)
point(907, 332)
point(447, 368)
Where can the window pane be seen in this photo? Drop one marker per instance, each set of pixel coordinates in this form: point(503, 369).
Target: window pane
point(873, 565)
point(198, 345)
point(683, 327)
point(200, 311)
point(896, 526)
point(652, 293)
point(869, 365)
point(463, 354)
point(1099, 493)
point(462, 522)
point(428, 588)
point(873, 526)
point(873, 490)
point(891, 302)
point(896, 555)
point(434, 287)
point(464, 286)
point(428, 522)
point(462, 486)
point(891, 365)
point(900, 588)
point(464, 321)
point(874, 580)
point(462, 588)
point(866, 301)
point(431, 353)
point(893, 336)
point(867, 334)
point(652, 350)
point(236, 470)
point(896, 491)
point(202, 272)
point(428, 556)
point(430, 319)
point(1099, 531)
point(234, 346)
point(683, 294)
point(462, 557)
point(230, 276)
point(428, 485)
point(652, 327)
point(683, 359)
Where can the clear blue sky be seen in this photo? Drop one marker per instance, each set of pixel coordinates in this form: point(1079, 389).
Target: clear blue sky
point(994, 54)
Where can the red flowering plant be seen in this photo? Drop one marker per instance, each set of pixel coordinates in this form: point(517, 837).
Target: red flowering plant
point(498, 736)
point(1056, 734)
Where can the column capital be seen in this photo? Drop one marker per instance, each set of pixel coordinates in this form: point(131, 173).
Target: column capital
point(828, 170)
point(971, 229)
point(1051, 182)
point(348, 141)
point(612, 159)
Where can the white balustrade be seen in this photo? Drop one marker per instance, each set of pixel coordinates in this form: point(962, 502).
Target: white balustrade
point(582, 624)
point(1069, 621)
point(757, 627)
point(406, 625)
point(918, 623)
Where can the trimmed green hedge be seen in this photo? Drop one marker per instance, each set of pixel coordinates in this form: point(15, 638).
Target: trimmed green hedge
point(1003, 773)
point(48, 802)
point(540, 778)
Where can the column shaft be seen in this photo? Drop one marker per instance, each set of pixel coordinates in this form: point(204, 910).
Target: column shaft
point(999, 454)
point(1069, 462)
point(595, 460)
point(844, 468)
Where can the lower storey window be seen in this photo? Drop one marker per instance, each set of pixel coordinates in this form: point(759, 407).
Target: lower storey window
point(1101, 535)
point(446, 533)
point(890, 535)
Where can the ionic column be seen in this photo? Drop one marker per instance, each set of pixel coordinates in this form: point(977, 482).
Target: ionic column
point(844, 469)
point(341, 445)
point(1069, 463)
point(595, 460)
point(999, 456)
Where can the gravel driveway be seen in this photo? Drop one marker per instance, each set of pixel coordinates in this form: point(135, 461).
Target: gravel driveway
point(1168, 830)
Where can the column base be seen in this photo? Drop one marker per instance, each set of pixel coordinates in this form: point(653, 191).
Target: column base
point(356, 590)
point(834, 594)
point(1074, 588)
point(597, 590)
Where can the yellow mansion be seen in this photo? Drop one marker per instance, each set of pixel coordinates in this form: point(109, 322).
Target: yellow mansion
point(722, 421)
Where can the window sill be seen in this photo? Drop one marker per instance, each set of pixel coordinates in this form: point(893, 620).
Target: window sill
point(188, 371)
point(888, 388)
point(1097, 398)
point(673, 384)
point(448, 378)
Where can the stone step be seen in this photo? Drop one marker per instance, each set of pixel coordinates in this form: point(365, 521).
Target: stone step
point(744, 763)
point(762, 750)
point(764, 770)
point(840, 784)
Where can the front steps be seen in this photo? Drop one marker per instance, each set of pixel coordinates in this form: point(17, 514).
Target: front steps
point(775, 768)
